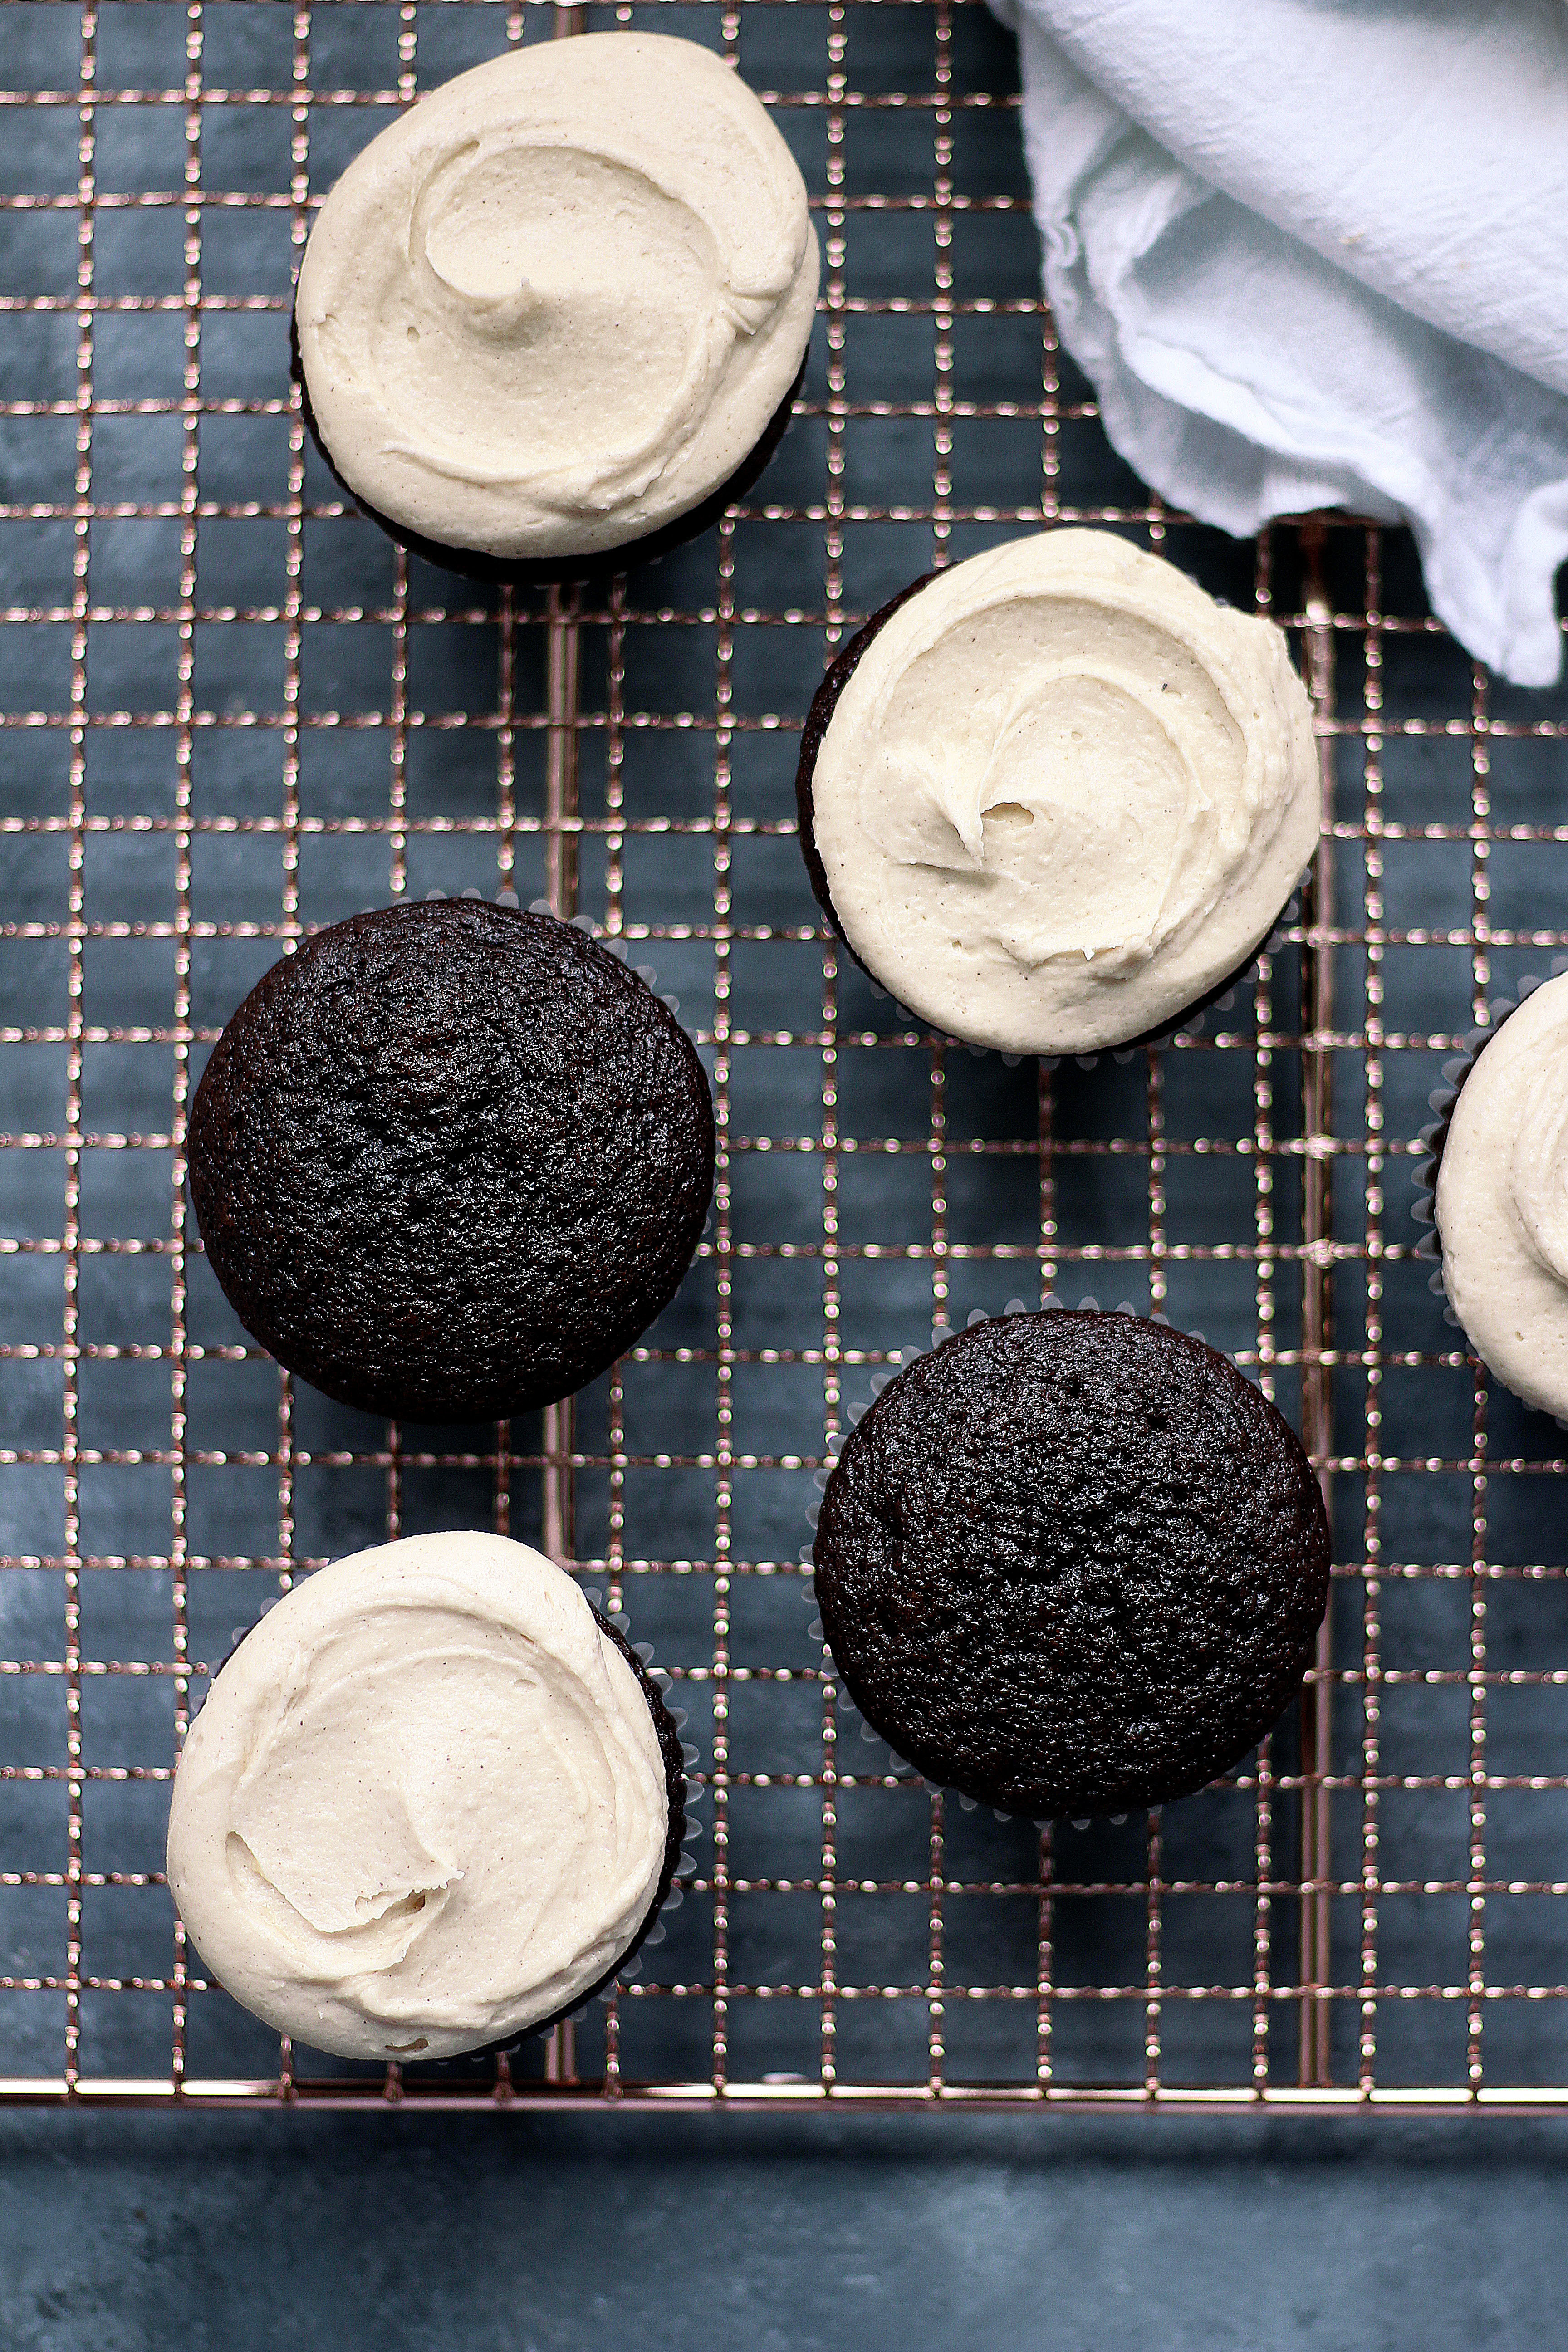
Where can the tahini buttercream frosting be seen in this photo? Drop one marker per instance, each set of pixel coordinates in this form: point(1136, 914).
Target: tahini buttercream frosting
point(1064, 794)
point(555, 305)
point(1501, 1201)
point(424, 1805)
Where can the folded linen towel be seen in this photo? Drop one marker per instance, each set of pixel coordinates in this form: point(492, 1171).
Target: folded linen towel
point(1314, 253)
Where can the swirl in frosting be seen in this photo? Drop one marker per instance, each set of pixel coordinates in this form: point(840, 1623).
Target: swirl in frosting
point(1502, 1201)
point(1064, 793)
point(1538, 1168)
point(557, 304)
point(424, 1806)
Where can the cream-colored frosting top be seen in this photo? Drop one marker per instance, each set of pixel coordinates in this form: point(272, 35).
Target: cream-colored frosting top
point(1502, 1201)
point(555, 305)
point(1064, 793)
point(424, 1805)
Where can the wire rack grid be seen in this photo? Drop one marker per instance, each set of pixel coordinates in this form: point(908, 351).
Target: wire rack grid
point(231, 711)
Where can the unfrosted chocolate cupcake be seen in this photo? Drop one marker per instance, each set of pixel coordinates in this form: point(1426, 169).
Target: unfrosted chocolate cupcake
point(555, 317)
point(449, 1160)
point(1072, 1563)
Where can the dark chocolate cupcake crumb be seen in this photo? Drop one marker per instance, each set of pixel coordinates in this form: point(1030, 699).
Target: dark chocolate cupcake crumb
point(1072, 1563)
point(449, 1160)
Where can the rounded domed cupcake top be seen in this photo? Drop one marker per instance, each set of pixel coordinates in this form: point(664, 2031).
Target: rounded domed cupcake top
point(1062, 794)
point(1502, 1202)
point(1072, 1563)
point(556, 304)
point(425, 1805)
point(449, 1160)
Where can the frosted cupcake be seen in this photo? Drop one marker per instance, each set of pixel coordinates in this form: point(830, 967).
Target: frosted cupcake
point(1501, 1200)
point(432, 1802)
point(559, 310)
point(1055, 798)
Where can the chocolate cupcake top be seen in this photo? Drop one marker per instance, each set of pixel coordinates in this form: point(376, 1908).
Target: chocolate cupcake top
point(1501, 1201)
point(449, 1160)
point(1072, 1563)
point(425, 1805)
point(556, 304)
point(1063, 795)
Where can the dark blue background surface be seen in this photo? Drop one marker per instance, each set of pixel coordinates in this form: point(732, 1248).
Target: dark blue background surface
point(518, 2234)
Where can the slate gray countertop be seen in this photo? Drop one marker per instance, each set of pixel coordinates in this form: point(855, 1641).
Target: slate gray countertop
point(739, 2234)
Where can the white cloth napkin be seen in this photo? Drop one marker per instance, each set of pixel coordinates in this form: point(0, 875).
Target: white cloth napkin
point(1314, 253)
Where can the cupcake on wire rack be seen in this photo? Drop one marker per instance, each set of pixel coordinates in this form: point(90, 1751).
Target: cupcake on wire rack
point(1498, 1206)
point(1055, 799)
point(433, 1802)
point(1072, 1563)
point(553, 318)
point(449, 1160)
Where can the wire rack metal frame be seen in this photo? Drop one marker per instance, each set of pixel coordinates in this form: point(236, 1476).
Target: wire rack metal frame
point(1321, 1977)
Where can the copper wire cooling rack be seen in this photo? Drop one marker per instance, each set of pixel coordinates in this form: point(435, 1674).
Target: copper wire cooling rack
point(230, 712)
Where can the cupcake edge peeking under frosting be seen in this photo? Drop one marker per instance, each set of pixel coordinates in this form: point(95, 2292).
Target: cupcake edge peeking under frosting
point(556, 305)
point(1501, 1201)
point(1061, 795)
point(425, 1806)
